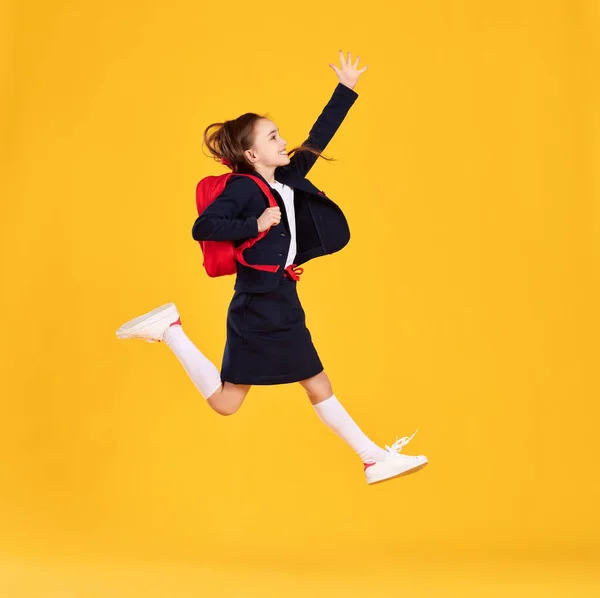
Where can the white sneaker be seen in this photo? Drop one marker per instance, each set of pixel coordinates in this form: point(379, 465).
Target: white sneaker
point(152, 326)
point(394, 464)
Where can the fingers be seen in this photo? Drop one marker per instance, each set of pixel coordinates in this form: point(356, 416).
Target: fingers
point(347, 62)
point(270, 217)
point(274, 214)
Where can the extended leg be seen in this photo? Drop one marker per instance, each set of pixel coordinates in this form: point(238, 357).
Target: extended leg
point(379, 464)
point(332, 413)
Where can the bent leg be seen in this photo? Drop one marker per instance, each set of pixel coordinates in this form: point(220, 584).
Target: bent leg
point(200, 369)
point(224, 397)
point(228, 398)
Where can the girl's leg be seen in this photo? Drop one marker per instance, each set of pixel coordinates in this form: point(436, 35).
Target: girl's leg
point(163, 324)
point(333, 414)
point(224, 397)
point(228, 398)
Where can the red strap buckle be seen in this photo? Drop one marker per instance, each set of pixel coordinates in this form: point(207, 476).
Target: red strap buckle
point(293, 272)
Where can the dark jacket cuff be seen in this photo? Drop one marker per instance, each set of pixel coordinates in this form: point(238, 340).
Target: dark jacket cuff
point(345, 90)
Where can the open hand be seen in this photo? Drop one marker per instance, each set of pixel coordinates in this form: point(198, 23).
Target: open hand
point(347, 73)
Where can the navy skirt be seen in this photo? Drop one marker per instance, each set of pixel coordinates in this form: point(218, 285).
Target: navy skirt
point(267, 338)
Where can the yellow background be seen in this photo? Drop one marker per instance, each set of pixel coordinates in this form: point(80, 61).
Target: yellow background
point(466, 304)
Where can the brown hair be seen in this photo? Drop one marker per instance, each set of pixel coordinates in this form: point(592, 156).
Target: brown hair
point(233, 137)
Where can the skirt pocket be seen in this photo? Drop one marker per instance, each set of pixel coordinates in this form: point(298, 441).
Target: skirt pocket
point(263, 312)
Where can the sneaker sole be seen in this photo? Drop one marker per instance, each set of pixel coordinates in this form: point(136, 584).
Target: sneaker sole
point(399, 475)
point(164, 312)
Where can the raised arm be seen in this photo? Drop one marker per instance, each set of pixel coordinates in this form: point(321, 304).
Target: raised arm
point(333, 114)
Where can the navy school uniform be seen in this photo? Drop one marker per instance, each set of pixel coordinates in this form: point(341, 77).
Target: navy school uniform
point(267, 338)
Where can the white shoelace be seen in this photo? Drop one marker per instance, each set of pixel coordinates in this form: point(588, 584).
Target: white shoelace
point(400, 442)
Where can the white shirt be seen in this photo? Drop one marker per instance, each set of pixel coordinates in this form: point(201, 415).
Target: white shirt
point(287, 194)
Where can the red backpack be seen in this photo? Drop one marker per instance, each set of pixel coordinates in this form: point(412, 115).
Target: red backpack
point(220, 256)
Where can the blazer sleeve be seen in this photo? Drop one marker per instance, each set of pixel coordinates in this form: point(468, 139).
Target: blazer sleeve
point(220, 221)
point(324, 128)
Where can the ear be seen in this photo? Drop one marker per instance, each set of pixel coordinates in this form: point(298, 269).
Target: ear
point(250, 156)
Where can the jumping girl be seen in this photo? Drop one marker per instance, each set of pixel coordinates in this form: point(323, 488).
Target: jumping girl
point(267, 338)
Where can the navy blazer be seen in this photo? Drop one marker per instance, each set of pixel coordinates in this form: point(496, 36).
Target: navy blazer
point(321, 227)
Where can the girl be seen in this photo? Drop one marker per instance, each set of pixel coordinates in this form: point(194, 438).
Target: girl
point(267, 338)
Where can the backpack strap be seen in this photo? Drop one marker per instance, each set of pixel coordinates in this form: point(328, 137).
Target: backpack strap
point(249, 242)
point(264, 188)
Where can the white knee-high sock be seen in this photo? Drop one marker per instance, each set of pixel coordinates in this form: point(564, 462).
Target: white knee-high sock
point(332, 413)
point(200, 369)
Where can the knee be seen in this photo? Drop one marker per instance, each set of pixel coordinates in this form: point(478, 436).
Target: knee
point(223, 408)
point(319, 389)
point(228, 410)
point(222, 403)
point(228, 399)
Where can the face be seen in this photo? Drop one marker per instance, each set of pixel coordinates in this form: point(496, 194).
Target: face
point(268, 145)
